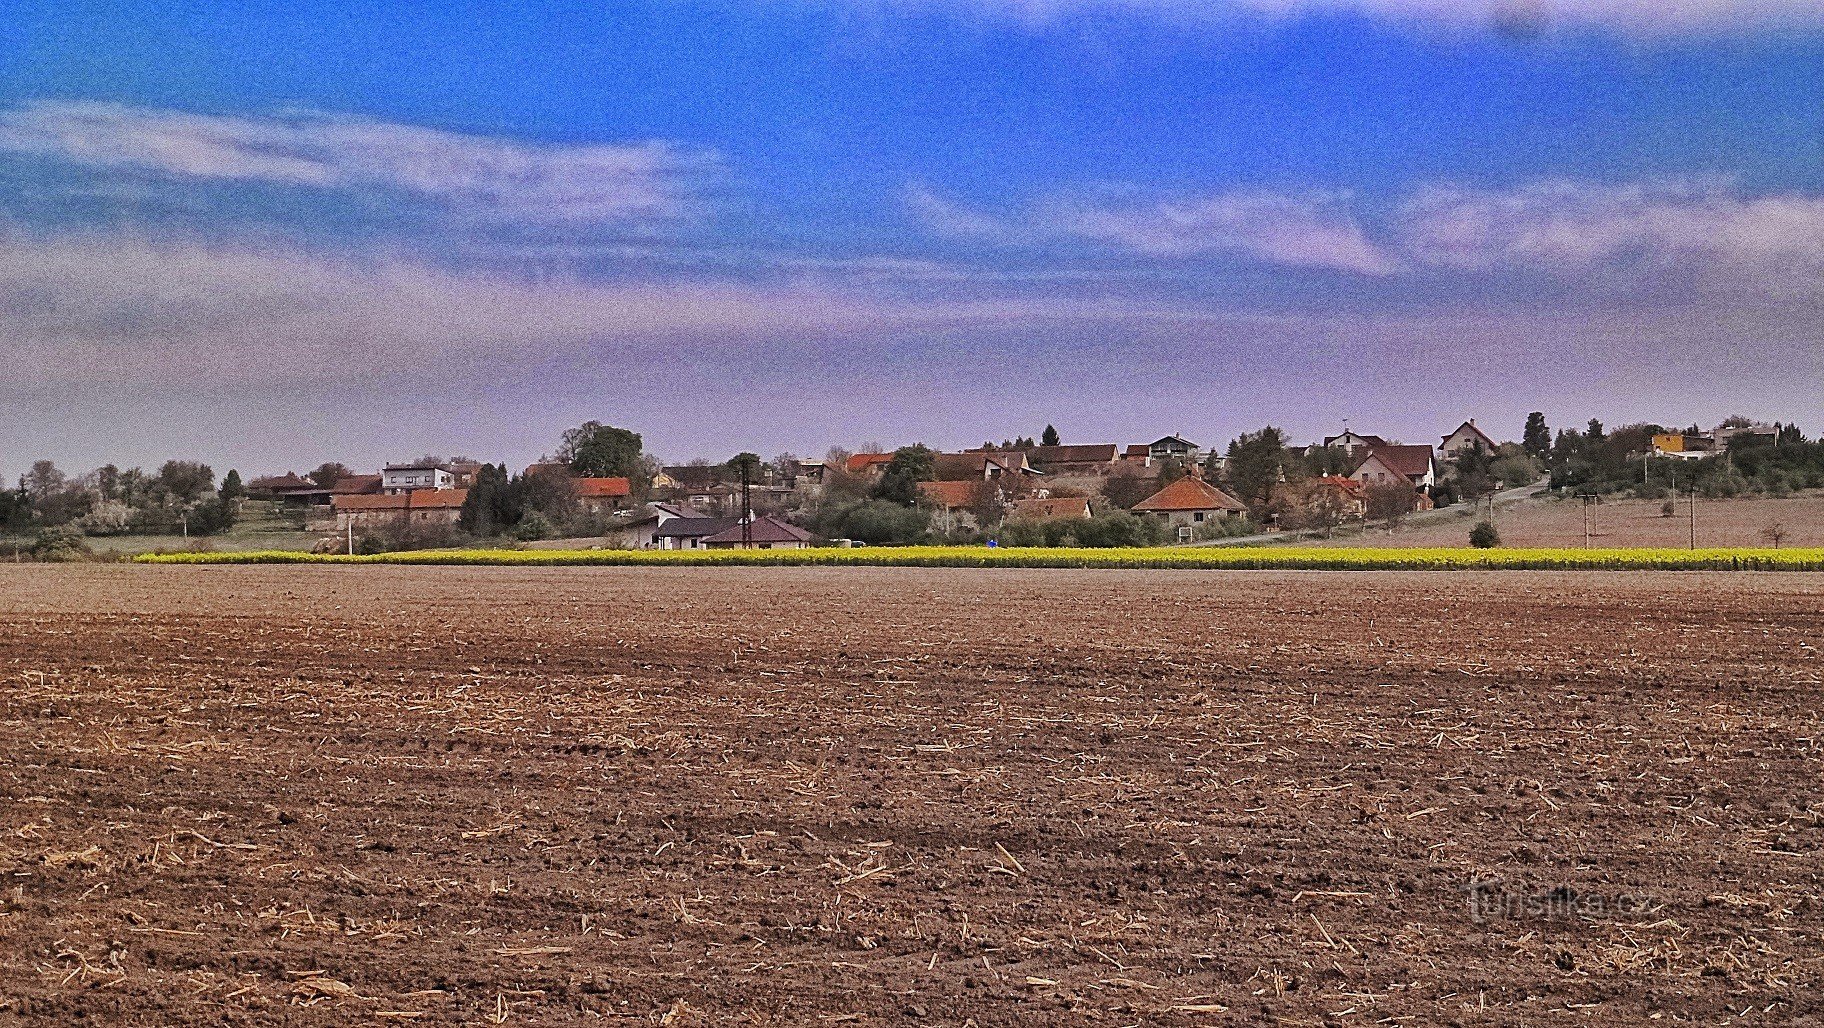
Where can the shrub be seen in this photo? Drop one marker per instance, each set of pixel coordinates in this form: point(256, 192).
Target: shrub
point(1484, 536)
point(532, 527)
point(58, 543)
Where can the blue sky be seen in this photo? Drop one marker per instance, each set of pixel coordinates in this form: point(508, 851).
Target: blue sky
point(268, 235)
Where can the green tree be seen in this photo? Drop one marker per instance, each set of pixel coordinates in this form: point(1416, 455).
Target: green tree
point(910, 465)
point(745, 465)
point(595, 450)
point(185, 481)
point(1537, 438)
point(1049, 437)
point(486, 509)
point(232, 489)
point(329, 473)
point(1255, 463)
point(1484, 536)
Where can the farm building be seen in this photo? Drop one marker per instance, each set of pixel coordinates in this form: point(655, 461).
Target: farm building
point(418, 507)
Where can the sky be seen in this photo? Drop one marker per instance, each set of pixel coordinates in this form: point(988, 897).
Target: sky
point(269, 235)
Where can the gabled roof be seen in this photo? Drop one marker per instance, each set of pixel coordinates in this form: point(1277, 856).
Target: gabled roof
point(1189, 493)
point(762, 530)
point(1338, 482)
point(1080, 453)
point(1471, 426)
point(860, 462)
point(282, 483)
point(1051, 507)
point(948, 494)
point(1411, 461)
point(1138, 450)
point(696, 528)
point(955, 467)
point(417, 467)
point(1162, 440)
point(603, 488)
point(417, 499)
point(1370, 440)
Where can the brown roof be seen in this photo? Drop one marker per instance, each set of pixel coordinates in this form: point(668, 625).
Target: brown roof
point(762, 530)
point(1138, 450)
point(603, 488)
point(956, 467)
point(355, 485)
point(1411, 461)
point(419, 499)
point(1081, 453)
point(1367, 440)
point(1052, 507)
point(948, 494)
point(1189, 493)
point(282, 483)
point(1471, 425)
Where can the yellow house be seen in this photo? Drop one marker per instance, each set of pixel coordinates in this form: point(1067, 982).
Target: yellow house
point(1669, 442)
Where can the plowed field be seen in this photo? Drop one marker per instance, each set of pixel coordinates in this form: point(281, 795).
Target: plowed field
point(338, 796)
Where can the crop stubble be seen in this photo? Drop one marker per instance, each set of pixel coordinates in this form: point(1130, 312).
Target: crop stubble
point(701, 796)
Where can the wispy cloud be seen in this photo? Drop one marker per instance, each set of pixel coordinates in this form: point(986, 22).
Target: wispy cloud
point(1281, 229)
point(1633, 17)
point(477, 176)
point(1577, 226)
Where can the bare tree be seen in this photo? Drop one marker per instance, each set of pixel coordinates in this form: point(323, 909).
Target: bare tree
point(1775, 534)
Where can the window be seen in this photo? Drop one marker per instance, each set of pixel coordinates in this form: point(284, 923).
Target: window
point(1197, 516)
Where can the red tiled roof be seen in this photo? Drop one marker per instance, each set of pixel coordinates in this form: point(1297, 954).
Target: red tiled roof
point(1138, 450)
point(762, 530)
point(1189, 493)
point(603, 488)
point(860, 462)
point(1347, 485)
point(1411, 461)
point(1052, 507)
point(948, 494)
point(419, 499)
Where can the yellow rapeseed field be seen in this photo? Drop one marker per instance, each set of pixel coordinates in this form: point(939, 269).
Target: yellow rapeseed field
point(1265, 558)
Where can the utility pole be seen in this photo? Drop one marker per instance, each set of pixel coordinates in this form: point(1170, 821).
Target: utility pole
point(747, 507)
point(1693, 510)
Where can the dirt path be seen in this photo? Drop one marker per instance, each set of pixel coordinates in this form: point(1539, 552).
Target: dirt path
point(335, 796)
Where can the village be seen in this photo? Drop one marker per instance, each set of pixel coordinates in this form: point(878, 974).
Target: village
point(1025, 491)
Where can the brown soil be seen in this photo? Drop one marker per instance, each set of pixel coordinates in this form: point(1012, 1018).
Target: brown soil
point(820, 796)
point(1618, 521)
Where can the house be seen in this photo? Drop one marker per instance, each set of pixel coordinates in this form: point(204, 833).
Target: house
point(763, 533)
point(1349, 442)
point(950, 495)
point(1727, 436)
point(1174, 447)
point(1188, 503)
point(1466, 436)
point(398, 479)
point(602, 495)
point(868, 465)
point(1346, 496)
point(1138, 454)
point(682, 528)
point(980, 466)
point(690, 477)
point(1417, 466)
point(289, 489)
point(356, 485)
point(1049, 508)
point(1079, 459)
point(420, 507)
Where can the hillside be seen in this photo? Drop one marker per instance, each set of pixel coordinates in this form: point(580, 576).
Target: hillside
point(1541, 521)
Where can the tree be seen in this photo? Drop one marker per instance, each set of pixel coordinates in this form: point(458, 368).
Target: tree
point(1390, 502)
point(232, 489)
point(329, 473)
point(487, 510)
point(1595, 434)
point(910, 465)
point(987, 504)
point(42, 481)
point(1537, 438)
point(595, 450)
point(1775, 534)
point(1049, 437)
point(1484, 536)
point(745, 466)
point(1125, 490)
point(185, 481)
point(1255, 463)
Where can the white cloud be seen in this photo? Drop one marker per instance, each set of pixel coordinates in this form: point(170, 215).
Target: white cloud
point(115, 308)
point(1274, 228)
point(1281, 229)
point(1635, 17)
point(476, 175)
point(1576, 226)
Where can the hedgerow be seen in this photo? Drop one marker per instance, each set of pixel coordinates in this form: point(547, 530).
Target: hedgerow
point(1288, 558)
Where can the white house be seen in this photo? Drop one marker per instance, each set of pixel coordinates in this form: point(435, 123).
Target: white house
point(1466, 436)
point(397, 479)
